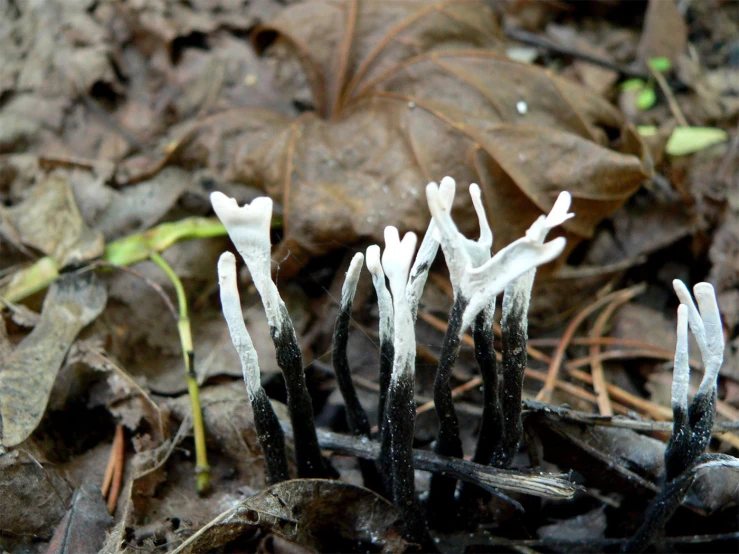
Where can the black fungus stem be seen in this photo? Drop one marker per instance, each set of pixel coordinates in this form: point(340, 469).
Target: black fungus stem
point(308, 456)
point(688, 442)
point(514, 327)
point(387, 354)
point(271, 437)
point(401, 413)
point(448, 441)
point(491, 428)
point(356, 417)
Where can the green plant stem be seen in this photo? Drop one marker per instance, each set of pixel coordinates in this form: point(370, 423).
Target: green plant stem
point(202, 470)
point(124, 252)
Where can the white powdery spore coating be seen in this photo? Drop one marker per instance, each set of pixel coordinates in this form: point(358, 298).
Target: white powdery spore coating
point(706, 297)
point(518, 295)
point(510, 263)
point(681, 371)
point(428, 250)
point(694, 317)
point(249, 229)
point(384, 300)
point(349, 289)
point(231, 306)
point(486, 233)
point(396, 262)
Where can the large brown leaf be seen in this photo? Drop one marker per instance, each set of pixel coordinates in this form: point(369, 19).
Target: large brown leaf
point(405, 93)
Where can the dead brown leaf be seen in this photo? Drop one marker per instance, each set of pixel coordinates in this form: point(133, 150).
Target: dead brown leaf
point(665, 33)
point(49, 220)
point(34, 494)
point(315, 513)
point(405, 93)
point(27, 378)
point(83, 527)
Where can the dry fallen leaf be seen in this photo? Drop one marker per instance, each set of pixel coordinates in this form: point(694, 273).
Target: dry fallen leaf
point(665, 33)
point(27, 377)
point(83, 527)
point(49, 220)
point(315, 513)
point(405, 93)
point(34, 494)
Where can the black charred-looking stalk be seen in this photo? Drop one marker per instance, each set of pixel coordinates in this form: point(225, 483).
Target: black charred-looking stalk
point(387, 354)
point(271, 437)
point(514, 327)
point(356, 417)
point(269, 431)
point(492, 427)
point(692, 424)
point(690, 439)
point(401, 413)
point(688, 442)
point(448, 441)
point(308, 456)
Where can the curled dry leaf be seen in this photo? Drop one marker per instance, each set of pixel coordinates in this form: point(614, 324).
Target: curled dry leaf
point(83, 527)
point(49, 220)
point(34, 494)
point(406, 92)
point(28, 375)
point(315, 513)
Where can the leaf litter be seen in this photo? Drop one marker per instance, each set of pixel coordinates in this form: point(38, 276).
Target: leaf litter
point(348, 102)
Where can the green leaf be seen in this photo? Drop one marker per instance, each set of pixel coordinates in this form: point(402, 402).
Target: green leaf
point(688, 140)
point(633, 84)
point(646, 99)
point(647, 130)
point(660, 64)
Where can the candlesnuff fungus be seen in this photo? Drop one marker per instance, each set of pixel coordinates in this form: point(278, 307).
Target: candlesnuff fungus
point(476, 280)
point(400, 408)
point(269, 430)
point(514, 327)
point(356, 417)
point(692, 423)
point(249, 229)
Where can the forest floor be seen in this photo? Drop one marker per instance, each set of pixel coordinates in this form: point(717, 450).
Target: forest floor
point(117, 121)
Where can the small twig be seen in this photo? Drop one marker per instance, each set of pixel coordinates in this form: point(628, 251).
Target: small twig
point(114, 472)
point(599, 379)
point(535, 40)
point(545, 394)
point(671, 101)
point(490, 478)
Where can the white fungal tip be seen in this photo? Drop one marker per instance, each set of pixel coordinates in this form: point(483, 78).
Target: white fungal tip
point(436, 205)
point(681, 371)
point(560, 211)
point(447, 188)
point(397, 258)
point(226, 267)
point(705, 291)
point(355, 267)
point(486, 233)
point(556, 216)
point(553, 249)
point(373, 260)
point(257, 214)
